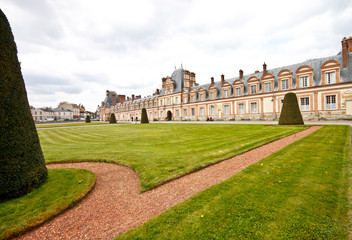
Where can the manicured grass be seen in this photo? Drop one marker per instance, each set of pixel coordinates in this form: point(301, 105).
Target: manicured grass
point(300, 192)
point(63, 188)
point(158, 152)
point(65, 124)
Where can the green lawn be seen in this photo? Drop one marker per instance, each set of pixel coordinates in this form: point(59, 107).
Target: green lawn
point(301, 192)
point(63, 188)
point(67, 124)
point(158, 152)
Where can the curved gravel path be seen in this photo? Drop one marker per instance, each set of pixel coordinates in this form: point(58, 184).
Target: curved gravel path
point(115, 205)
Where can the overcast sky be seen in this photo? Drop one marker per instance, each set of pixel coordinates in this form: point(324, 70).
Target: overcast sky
point(74, 50)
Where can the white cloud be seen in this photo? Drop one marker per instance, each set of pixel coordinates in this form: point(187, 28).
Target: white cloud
point(78, 49)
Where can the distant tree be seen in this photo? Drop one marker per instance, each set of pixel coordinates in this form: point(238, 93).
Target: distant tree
point(22, 164)
point(169, 115)
point(112, 118)
point(290, 113)
point(87, 119)
point(144, 118)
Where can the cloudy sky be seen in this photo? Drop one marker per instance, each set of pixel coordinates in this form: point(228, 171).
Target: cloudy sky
point(74, 50)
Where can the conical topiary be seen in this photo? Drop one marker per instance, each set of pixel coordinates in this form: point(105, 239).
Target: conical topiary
point(144, 118)
point(87, 119)
point(22, 164)
point(290, 113)
point(112, 118)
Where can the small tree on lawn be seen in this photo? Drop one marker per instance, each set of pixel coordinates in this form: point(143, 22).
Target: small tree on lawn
point(87, 119)
point(112, 118)
point(169, 115)
point(144, 118)
point(290, 113)
point(22, 164)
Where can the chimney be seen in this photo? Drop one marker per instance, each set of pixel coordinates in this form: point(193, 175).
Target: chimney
point(264, 69)
point(128, 98)
point(113, 99)
point(132, 97)
point(157, 91)
point(102, 104)
point(346, 48)
point(107, 92)
point(241, 74)
point(222, 79)
point(256, 71)
point(121, 98)
point(212, 81)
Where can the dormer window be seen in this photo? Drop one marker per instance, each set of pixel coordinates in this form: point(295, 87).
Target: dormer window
point(212, 95)
point(330, 77)
point(253, 89)
point(267, 87)
point(304, 81)
point(202, 97)
point(238, 91)
point(284, 84)
point(193, 99)
point(226, 93)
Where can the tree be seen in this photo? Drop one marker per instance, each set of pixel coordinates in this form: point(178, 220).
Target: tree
point(22, 164)
point(112, 118)
point(87, 119)
point(169, 115)
point(290, 113)
point(144, 118)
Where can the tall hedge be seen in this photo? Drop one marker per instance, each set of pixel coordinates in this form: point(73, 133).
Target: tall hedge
point(22, 164)
point(87, 119)
point(290, 113)
point(112, 118)
point(144, 118)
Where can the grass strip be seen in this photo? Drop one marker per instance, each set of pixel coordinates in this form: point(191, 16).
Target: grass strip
point(157, 152)
point(75, 124)
point(299, 192)
point(63, 188)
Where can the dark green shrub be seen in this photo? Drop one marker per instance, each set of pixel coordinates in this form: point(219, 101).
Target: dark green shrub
point(112, 118)
point(144, 118)
point(87, 119)
point(290, 113)
point(22, 164)
point(169, 115)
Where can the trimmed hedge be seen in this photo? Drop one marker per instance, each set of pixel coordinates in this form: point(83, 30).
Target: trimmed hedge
point(112, 118)
point(22, 164)
point(144, 118)
point(290, 113)
point(87, 119)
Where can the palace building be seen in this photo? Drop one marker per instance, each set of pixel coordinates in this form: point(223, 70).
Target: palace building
point(323, 88)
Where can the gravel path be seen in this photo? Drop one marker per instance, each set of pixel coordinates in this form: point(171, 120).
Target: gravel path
point(115, 205)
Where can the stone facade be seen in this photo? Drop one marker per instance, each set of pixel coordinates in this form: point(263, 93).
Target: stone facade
point(323, 88)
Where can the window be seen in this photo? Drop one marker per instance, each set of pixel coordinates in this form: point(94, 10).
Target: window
point(284, 84)
point(176, 100)
point(161, 114)
point(227, 109)
point(202, 97)
point(305, 104)
point(40, 113)
point(212, 110)
point(185, 112)
point(155, 115)
point(193, 98)
point(254, 108)
point(330, 102)
point(241, 108)
point(212, 95)
point(176, 113)
point(35, 113)
point(202, 111)
point(253, 89)
point(185, 99)
point(330, 77)
point(238, 91)
point(226, 93)
point(161, 102)
point(304, 81)
point(193, 111)
point(267, 87)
